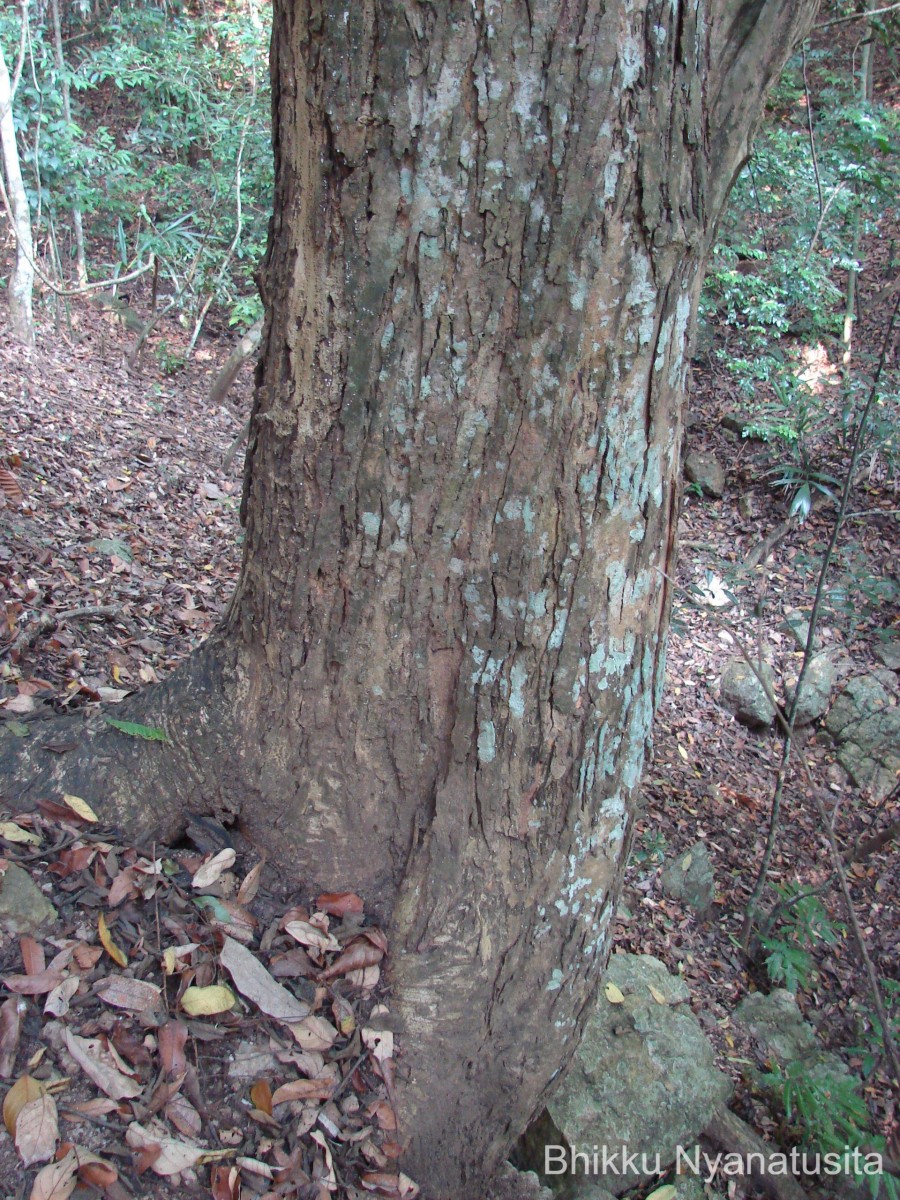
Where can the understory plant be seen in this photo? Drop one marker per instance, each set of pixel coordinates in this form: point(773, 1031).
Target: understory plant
point(167, 153)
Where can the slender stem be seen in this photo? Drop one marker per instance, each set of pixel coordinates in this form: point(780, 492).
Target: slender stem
point(812, 136)
point(791, 715)
point(860, 16)
point(890, 1045)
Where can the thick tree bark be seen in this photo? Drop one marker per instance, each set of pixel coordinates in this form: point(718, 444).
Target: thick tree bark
point(436, 680)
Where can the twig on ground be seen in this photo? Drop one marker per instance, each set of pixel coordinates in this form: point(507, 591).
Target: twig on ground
point(50, 620)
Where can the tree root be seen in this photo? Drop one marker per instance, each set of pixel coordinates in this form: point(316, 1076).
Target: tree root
point(735, 1136)
point(144, 788)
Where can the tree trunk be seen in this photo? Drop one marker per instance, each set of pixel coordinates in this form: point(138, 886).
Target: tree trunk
point(77, 224)
point(21, 281)
point(436, 680)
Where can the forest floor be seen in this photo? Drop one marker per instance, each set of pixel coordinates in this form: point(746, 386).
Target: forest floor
point(119, 547)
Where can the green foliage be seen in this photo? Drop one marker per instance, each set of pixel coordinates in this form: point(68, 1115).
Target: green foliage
point(857, 594)
point(170, 128)
point(651, 849)
point(871, 1045)
point(828, 1114)
point(147, 733)
point(802, 921)
point(825, 1104)
point(170, 362)
point(777, 276)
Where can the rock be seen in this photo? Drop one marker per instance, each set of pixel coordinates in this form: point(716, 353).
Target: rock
point(511, 1184)
point(888, 654)
point(23, 907)
point(745, 696)
point(739, 423)
point(706, 471)
point(776, 1025)
point(690, 1187)
point(734, 423)
point(586, 1189)
point(644, 1078)
point(781, 1035)
point(796, 625)
point(818, 684)
point(690, 879)
point(865, 724)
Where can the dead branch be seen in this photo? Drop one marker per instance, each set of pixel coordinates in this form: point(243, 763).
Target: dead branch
point(735, 1136)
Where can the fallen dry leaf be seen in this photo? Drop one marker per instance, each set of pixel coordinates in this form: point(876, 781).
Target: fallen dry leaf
point(666, 1192)
point(366, 980)
point(34, 985)
point(11, 1012)
point(22, 1092)
point(338, 904)
point(135, 995)
point(212, 870)
point(254, 982)
point(329, 1178)
point(171, 1154)
point(94, 1170)
point(250, 885)
point(116, 953)
point(33, 958)
point(261, 1095)
point(37, 1130)
point(380, 1042)
point(314, 1033)
point(308, 935)
point(303, 1089)
point(357, 956)
point(122, 888)
point(95, 1060)
point(225, 1183)
point(11, 832)
point(57, 1180)
point(99, 1106)
point(182, 1114)
point(57, 1003)
point(172, 1040)
point(81, 808)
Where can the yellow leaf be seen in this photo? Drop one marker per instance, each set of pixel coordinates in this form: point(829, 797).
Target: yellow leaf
point(169, 959)
point(666, 1192)
point(11, 832)
point(207, 1001)
point(22, 1092)
point(613, 994)
point(685, 866)
point(81, 807)
point(656, 994)
point(116, 953)
point(116, 673)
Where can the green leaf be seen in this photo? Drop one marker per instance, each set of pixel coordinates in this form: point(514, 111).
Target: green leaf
point(133, 729)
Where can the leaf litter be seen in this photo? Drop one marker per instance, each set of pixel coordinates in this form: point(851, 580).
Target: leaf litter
point(143, 1046)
